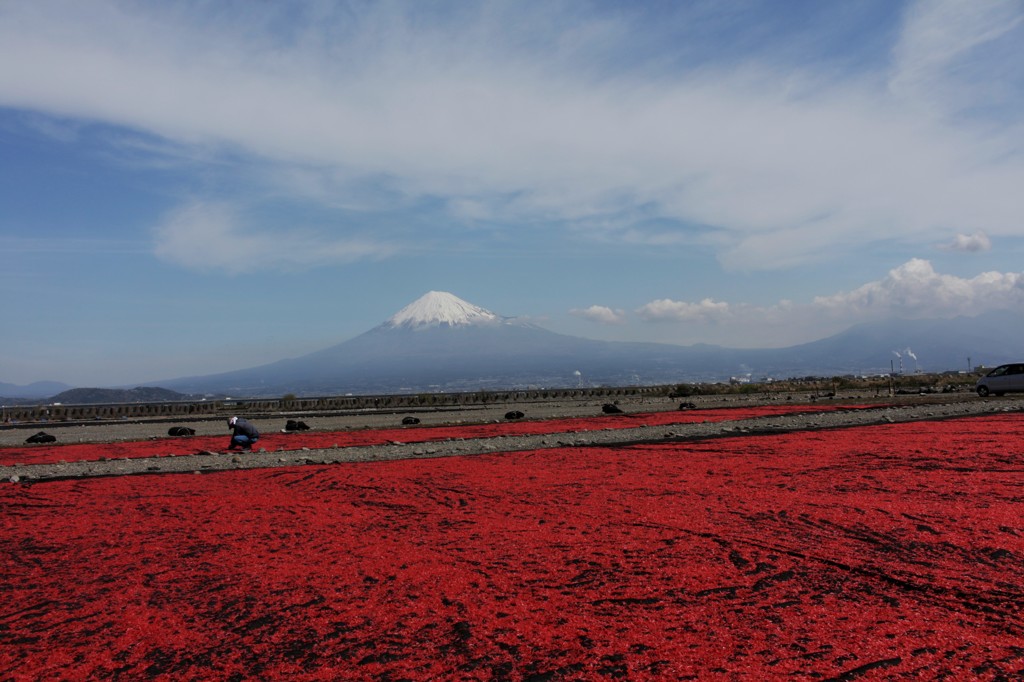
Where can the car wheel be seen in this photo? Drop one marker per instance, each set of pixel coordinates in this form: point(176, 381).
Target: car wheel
point(983, 391)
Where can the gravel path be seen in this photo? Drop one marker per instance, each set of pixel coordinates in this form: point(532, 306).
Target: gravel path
point(890, 409)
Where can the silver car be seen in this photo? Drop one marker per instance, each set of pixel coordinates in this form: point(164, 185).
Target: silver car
point(1003, 379)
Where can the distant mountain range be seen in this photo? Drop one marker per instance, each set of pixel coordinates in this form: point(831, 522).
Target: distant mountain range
point(443, 343)
point(39, 389)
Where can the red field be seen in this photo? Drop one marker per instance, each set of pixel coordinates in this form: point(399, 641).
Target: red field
point(891, 551)
point(274, 441)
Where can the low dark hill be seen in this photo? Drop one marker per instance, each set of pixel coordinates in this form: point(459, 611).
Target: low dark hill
point(142, 394)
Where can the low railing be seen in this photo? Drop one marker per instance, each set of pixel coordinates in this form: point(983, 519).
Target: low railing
point(256, 406)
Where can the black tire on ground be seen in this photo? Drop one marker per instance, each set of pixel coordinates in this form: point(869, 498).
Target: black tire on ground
point(983, 391)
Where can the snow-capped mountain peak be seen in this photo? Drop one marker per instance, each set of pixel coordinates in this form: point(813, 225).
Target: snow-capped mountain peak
point(436, 308)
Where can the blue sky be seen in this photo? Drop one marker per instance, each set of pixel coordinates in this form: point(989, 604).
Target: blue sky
point(211, 185)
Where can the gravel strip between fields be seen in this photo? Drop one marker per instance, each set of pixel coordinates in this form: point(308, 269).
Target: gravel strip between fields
point(902, 409)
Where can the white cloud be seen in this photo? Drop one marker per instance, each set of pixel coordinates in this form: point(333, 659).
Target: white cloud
point(912, 290)
point(601, 314)
point(665, 309)
point(973, 243)
point(776, 164)
point(212, 237)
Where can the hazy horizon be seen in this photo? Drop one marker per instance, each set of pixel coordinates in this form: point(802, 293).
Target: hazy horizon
point(441, 309)
point(197, 188)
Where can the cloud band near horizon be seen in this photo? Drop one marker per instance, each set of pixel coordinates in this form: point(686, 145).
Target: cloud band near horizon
point(913, 290)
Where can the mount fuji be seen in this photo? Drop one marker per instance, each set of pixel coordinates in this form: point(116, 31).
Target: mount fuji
point(439, 308)
point(443, 343)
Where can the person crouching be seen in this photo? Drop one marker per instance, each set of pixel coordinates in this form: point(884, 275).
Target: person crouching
point(244, 434)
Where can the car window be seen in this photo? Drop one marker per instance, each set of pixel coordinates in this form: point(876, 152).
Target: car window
point(998, 371)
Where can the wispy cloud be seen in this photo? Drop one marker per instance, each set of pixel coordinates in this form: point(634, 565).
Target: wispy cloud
point(954, 55)
point(601, 314)
point(554, 118)
point(213, 237)
point(63, 130)
point(53, 245)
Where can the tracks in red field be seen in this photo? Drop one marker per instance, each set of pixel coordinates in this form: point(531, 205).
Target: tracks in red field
point(168, 455)
point(894, 549)
point(276, 441)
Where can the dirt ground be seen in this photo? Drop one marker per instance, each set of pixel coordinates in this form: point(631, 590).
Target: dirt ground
point(113, 431)
point(143, 446)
